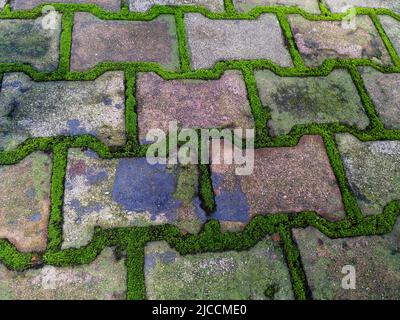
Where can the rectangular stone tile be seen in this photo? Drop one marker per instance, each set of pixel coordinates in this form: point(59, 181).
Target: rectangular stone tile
point(103, 279)
point(372, 170)
point(192, 103)
point(28, 42)
point(375, 260)
point(48, 109)
point(307, 5)
point(25, 202)
point(244, 275)
point(145, 5)
point(392, 30)
point(321, 40)
point(291, 179)
point(344, 5)
point(111, 5)
point(126, 192)
point(306, 100)
point(211, 41)
point(95, 41)
point(383, 88)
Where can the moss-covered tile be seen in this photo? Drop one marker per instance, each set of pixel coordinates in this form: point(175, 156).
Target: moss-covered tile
point(383, 88)
point(25, 202)
point(247, 5)
point(260, 273)
point(376, 262)
point(31, 42)
point(30, 109)
point(126, 192)
point(372, 170)
point(392, 29)
point(306, 100)
point(103, 279)
point(321, 40)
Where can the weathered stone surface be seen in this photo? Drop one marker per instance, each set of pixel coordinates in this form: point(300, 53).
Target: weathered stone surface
point(95, 41)
point(145, 5)
point(26, 41)
point(2, 3)
point(46, 109)
point(126, 192)
point(103, 279)
point(25, 202)
point(228, 275)
point(320, 40)
point(392, 29)
point(383, 88)
point(344, 5)
point(192, 103)
point(247, 5)
point(372, 171)
point(211, 41)
point(306, 100)
point(284, 180)
point(112, 5)
point(376, 260)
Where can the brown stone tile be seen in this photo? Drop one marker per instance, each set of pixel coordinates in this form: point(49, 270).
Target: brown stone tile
point(192, 103)
point(95, 41)
point(321, 40)
point(25, 202)
point(283, 180)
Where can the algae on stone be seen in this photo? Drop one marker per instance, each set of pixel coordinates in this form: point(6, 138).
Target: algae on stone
point(376, 261)
point(103, 279)
point(227, 275)
point(306, 100)
point(30, 109)
point(31, 42)
point(372, 170)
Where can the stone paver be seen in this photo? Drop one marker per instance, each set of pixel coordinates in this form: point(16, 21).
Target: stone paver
point(25, 202)
point(385, 93)
point(26, 41)
point(282, 181)
point(111, 5)
point(47, 109)
point(2, 4)
point(145, 5)
point(344, 5)
point(306, 100)
point(320, 40)
point(247, 5)
point(219, 103)
point(103, 279)
point(228, 275)
point(392, 29)
point(372, 170)
point(126, 192)
point(211, 41)
point(376, 260)
point(95, 41)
